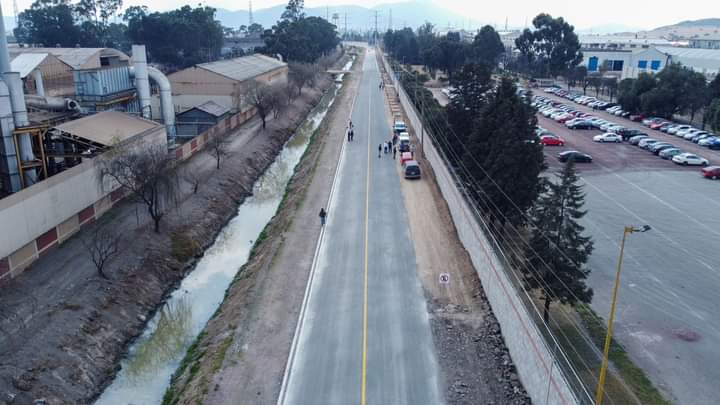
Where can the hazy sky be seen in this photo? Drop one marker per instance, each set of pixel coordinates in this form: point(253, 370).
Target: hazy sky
point(582, 14)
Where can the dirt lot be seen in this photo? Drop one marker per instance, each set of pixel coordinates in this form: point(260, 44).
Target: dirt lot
point(476, 365)
point(242, 354)
point(64, 328)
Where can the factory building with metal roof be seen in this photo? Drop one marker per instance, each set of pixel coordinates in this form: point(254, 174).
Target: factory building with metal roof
point(223, 81)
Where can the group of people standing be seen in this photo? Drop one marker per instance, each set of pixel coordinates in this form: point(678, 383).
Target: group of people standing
point(388, 147)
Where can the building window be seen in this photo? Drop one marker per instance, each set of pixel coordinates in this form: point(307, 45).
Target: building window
point(593, 64)
point(642, 64)
point(655, 65)
point(617, 66)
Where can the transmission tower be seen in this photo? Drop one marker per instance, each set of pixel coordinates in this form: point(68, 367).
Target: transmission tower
point(390, 26)
point(336, 19)
point(250, 15)
point(16, 11)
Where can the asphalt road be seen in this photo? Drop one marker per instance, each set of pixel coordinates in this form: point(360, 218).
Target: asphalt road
point(365, 335)
point(667, 318)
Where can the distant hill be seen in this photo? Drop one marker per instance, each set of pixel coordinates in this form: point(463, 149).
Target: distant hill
point(706, 27)
point(412, 14)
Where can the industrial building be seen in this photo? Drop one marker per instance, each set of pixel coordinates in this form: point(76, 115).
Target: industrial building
point(223, 81)
point(199, 119)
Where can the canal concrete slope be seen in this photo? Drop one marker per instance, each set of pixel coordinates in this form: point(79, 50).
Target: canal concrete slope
point(365, 335)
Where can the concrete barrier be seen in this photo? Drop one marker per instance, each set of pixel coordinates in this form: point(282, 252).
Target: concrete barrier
point(541, 364)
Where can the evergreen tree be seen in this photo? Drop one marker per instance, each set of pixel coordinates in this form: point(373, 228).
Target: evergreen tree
point(487, 46)
point(555, 261)
point(294, 10)
point(468, 97)
point(504, 156)
point(552, 48)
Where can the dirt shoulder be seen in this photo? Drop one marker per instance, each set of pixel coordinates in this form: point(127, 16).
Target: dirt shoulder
point(241, 356)
point(474, 360)
point(65, 329)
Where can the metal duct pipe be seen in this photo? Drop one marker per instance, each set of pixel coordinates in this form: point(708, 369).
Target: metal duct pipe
point(17, 98)
point(142, 83)
point(39, 86)
point(52, 103)
point(166, 104)
point(4, 54)
point(8, 157)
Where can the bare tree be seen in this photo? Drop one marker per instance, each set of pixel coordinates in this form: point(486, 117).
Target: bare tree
point(218, 146)
point(277, 98)
point(147, 173)
point(258, 95)
point(101, 244)
point(303, 74)
point(289, 91)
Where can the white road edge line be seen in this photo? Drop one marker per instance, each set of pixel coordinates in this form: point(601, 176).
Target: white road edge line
point(308, 287)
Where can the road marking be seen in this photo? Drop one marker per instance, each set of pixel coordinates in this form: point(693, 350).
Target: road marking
point(363, 394)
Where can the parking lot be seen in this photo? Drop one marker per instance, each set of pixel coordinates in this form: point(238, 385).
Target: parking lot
point(667, 317)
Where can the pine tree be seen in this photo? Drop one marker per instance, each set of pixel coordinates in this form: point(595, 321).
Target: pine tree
point(504, 156)
point(558, 253)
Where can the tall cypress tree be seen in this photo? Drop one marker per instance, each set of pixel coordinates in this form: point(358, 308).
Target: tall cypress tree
point(555, 261)
point(504, 156)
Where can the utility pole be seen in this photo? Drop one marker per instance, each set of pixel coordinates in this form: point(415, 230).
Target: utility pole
point(390, 26)
point(16, 11)
point(375, 34)
point(250, 15)
point(327, 13)
point(346, 24)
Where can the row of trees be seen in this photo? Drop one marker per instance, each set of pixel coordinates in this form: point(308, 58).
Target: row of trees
point(447, 53)
point(487, 132)
point(176, 38)
point(675, 90)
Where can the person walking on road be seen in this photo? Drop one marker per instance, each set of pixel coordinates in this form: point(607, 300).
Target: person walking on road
point(390, 146)
point(379, 151)
point(349, 135)
point(352, 134)
point(323, 215)
point(394, 152)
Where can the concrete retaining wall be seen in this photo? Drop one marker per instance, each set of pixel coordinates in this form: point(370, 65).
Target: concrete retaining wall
point(535, 361)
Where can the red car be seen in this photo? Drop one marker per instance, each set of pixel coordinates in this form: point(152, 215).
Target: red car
point(637, 117)
point(657, 125)
point(711, 172)
point(551, 140)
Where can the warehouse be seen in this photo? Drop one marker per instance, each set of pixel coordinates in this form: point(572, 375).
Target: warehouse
point(223, 81)
point(200, 118)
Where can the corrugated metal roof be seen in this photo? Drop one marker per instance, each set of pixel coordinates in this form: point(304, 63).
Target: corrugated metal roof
point(77, 58)
point(107, 127)
point(25, 63)
point(213, 108)
point(243, 68)
point(702, 60)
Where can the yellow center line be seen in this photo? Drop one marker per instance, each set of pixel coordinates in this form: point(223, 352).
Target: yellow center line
point(363, 396)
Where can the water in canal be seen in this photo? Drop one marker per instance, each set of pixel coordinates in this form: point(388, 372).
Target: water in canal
point(152, 359)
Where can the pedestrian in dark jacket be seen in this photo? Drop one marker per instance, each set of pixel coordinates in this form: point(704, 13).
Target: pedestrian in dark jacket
point(323, 215)
point(394, 151)
point(379, 150)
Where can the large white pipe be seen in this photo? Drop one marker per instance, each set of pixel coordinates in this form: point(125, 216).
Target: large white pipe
point(9, 167)
point(166, 104)
point(52, 103)
point(39, 86)
point(4, 54)
point(142, 82)
point(17, 98)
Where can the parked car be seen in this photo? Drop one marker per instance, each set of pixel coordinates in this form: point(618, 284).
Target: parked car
point(399, 126)
point(690, 135)
point(674, 130)
point(629, 133)
point(645, 143)
point(608, 137)
point(714, 145)
point(707, 140)
point(412, 170)
point(575, 156)
point(636, 117)
point(636, 139)
point(551, 140)
point(669, 153)
point(656, 148)
point(579, 123)
point(657, 125)
point(690, 159)
point(711, 172)
point(664, 127)
point(648, 121)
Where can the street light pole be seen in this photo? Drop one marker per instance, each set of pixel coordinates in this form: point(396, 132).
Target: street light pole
point(599, 395)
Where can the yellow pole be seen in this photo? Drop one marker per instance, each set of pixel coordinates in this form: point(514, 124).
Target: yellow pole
point(608, 338)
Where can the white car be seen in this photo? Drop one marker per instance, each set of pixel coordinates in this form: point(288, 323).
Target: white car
point(676, 129)
point(608, 137)
point(689, 159)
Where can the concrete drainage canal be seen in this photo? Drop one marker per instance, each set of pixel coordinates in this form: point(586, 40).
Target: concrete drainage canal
point(153, 358)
